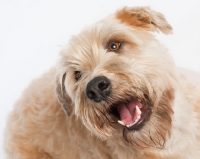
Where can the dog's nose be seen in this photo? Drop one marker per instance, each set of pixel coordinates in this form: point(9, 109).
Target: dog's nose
point(98, 89)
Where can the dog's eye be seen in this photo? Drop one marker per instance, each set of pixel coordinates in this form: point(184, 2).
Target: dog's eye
point(114, 46)
point(77, 75)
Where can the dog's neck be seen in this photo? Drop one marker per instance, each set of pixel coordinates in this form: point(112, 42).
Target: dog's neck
point(185, 136)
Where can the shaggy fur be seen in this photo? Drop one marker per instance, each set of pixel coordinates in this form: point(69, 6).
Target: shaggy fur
point(55, 119)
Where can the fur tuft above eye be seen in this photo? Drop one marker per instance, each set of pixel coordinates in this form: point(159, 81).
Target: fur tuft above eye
point(77, 75)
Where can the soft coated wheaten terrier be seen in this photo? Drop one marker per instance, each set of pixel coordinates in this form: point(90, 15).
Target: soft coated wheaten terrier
point(115, 94)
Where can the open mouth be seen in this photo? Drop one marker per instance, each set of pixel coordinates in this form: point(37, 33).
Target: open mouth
point(132, 115)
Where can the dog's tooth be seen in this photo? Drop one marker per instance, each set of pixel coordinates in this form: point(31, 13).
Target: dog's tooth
point(138, 118)
point(120, 122)
point(129, 125)
point(138, 110)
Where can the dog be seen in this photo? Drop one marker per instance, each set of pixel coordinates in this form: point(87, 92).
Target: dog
point(114, 93)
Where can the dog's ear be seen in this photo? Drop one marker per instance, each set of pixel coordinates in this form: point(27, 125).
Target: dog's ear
point(62, 96)
point(145, 18)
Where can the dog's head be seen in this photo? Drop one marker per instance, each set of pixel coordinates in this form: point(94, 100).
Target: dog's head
point(119, 80)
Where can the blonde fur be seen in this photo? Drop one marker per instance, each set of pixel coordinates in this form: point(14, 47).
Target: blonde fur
point(55, 119)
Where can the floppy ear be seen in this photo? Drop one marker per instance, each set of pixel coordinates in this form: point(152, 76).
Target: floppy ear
point(145, 18)
point(63, 98)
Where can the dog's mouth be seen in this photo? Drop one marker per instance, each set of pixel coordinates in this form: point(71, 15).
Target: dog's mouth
point(132, 115)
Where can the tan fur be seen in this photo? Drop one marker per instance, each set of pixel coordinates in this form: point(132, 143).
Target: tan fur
point(55, 119)
point(143, 17)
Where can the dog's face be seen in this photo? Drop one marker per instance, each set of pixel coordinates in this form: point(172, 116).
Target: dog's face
point(118, 79)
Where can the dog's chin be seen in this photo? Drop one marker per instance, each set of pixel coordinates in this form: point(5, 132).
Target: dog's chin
point(132, 114)
point(141, 124)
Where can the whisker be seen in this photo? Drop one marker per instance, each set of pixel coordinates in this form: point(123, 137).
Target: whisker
point(149, 134)
point(143, 142)
point(162, 145)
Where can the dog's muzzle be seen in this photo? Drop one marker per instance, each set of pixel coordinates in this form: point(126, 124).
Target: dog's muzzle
point(98, 89)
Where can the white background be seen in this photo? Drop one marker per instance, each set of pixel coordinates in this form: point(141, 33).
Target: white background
point(33, 32)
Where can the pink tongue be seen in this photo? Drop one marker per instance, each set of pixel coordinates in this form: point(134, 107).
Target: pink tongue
point(127, 111)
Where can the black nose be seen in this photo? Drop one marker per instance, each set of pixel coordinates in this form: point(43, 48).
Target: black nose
point(98, 89)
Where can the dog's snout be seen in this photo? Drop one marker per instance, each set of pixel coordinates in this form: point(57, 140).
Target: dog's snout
point(98, 89)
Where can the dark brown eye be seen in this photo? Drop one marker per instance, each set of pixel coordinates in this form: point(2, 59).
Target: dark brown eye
point(77, 75)
point(114, 46)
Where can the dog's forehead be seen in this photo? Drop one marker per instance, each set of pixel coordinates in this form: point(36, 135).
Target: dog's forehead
point(90, 45)
point(99, 33)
